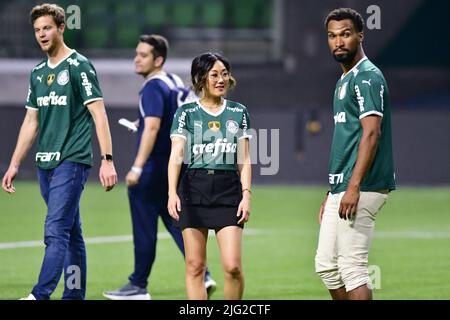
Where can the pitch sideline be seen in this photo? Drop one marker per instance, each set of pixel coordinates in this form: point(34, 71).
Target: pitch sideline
point(102, 240)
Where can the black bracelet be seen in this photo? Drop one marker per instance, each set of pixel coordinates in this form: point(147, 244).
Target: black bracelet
point(107, 157)
point(247, 190)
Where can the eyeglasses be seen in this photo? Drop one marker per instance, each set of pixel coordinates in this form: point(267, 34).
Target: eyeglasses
point(215, 76)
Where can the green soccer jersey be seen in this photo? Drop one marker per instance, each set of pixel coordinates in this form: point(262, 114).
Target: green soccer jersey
point(60, 94)
point(359, 93)
point(211, 138)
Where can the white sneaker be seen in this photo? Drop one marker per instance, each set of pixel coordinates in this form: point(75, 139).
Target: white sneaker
point(30, 297)
point(210, 285)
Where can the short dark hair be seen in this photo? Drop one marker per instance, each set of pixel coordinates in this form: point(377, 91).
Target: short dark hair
point(48, 9)
point(346, 13)
point(159, 43)
point(201, 66)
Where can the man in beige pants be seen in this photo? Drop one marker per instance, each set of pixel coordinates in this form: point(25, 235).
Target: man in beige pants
point(361, 171)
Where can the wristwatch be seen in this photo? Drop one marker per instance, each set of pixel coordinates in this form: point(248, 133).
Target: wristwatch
point(107, 157)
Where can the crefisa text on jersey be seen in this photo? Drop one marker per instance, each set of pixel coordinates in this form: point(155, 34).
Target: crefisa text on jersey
point(226, 310)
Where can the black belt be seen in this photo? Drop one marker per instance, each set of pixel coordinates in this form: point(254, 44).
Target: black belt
point(213, 172)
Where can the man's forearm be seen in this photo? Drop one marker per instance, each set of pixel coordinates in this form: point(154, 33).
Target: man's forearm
point(27, 136)
point(104, 136)
point(107, 175)
point(148, 140)
point(366, 153)
point(100, 118)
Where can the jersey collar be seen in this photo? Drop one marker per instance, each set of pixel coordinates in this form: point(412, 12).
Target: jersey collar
point(216, 114)
point(354, 67)
point(148, 78)
point(63, 59)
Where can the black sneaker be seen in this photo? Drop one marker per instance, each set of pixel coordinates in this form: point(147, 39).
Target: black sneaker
point(128, 292)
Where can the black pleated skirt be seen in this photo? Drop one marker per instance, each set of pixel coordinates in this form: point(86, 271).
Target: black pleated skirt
point(209, 199)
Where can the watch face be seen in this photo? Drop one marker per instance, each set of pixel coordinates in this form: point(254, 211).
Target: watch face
point(108, 157)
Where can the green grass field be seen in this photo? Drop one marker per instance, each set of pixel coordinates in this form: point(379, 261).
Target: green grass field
point(411, 245)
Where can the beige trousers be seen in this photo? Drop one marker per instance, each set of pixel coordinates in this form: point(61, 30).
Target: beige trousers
point(343, 249)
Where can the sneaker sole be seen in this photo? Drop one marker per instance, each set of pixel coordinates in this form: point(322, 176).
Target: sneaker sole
point(133, 297)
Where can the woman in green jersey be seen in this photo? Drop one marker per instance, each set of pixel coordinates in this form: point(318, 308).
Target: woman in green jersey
point(215, 190)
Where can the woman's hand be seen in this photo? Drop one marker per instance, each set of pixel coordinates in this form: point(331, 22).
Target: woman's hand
point(244, 208)
point(174, 206)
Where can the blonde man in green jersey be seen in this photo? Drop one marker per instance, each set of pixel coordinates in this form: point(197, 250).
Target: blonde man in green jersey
point(64, 103)
point(361, 171)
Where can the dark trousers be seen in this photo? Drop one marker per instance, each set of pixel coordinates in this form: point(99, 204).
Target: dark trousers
point(61, 189)
point(148, 201)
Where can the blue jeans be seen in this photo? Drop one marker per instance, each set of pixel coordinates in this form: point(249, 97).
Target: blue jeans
point(61, 189)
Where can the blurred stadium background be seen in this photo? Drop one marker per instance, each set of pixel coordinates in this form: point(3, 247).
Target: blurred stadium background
point(286, 78)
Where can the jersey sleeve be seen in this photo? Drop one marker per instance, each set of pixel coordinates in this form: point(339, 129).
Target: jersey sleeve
point(152, 100)
point(370, 92)
point(31, 96)
point(244, 126)
point(87, 83)
point(179, 124)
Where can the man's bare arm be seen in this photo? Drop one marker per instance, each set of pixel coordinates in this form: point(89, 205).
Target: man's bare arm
point(27, 136)
point(371, 126)
point(107, 174)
